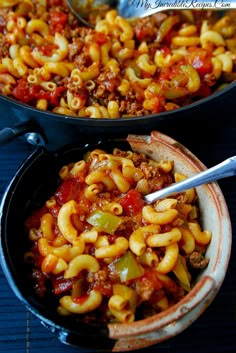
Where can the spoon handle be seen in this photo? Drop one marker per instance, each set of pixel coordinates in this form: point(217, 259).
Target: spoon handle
point(222, 170)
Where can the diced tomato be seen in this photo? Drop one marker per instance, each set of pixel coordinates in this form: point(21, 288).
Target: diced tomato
point(47, 49)
point(150, 279)
point(27, 93)
point(57, 21)
point(169, 73)
point(68, 190)
point(168, 37)
point(21, 91)
point(200, 59)
point(99, 38)
point(33, 221)
point(55, 95)
point(165, 50)
point(132, 202)
point(144, 31)
point(203, 66)
point(61, 284)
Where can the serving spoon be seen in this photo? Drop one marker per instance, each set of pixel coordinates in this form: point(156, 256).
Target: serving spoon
point(222, 170)
point(126, 8)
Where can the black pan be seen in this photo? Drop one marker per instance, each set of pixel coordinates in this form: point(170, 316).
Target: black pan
point(54, 130)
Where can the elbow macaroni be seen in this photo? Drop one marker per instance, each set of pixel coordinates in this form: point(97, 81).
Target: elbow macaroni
point(185, 57)
point(103, 249)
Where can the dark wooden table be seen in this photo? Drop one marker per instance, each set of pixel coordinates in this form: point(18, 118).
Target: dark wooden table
point(212, 139)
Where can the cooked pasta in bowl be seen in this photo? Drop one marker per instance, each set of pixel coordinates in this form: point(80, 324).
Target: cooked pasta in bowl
point(121, 69)
point(92, 259)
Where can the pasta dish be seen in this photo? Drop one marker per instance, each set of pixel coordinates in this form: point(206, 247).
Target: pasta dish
point(121, 68)
point(103, 255)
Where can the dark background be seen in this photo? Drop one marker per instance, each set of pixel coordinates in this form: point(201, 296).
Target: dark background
point(211, 136)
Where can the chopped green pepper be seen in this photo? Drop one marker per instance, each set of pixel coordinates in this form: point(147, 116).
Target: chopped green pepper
point(104, 221)
point(181, 272)
point(128, 267)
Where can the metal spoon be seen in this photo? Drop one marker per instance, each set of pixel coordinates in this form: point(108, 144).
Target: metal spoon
point(222, 170)
point(126, 8)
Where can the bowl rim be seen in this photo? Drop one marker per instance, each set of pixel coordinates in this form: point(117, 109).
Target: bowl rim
point(200, 295)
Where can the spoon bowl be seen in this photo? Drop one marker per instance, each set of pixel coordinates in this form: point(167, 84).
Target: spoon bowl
point(222, 170)
point(126, 8)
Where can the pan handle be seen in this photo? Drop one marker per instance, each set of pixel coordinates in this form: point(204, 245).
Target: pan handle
point(33, 136)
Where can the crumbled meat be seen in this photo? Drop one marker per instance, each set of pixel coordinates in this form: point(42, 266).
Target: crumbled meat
point(145, 290)
point(197, 260)
point(182, 198)
point(128, 225)
point(100, 91)
point(159, 17)
point(75, 48)
point(110, 80)
point(4, 48)
point(145, 30)
point(138, 159)
point(149, 171)
point(100, 276)
point(157, 179)
point(128, 108)
point(83, 61)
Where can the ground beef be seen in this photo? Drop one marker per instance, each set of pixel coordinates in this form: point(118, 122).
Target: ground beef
point(145, 30)
point(128, 226)
point(145, 290)
point(75, 48)
point(127, 108)
point(83, 61)
point(138, 159)
point(197, 260)
point(150, 171)
point(101, 276)
point(3, 45)
point(109, 80)
point(4, 48)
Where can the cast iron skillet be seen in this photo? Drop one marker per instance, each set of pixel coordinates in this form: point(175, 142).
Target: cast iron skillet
point(54, 130)
point(33, 183)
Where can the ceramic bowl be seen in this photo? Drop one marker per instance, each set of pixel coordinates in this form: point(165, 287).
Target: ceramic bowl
point(37, 177)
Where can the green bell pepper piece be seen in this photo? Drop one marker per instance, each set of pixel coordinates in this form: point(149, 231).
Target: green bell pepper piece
point(128, 267)
point(104, 221)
